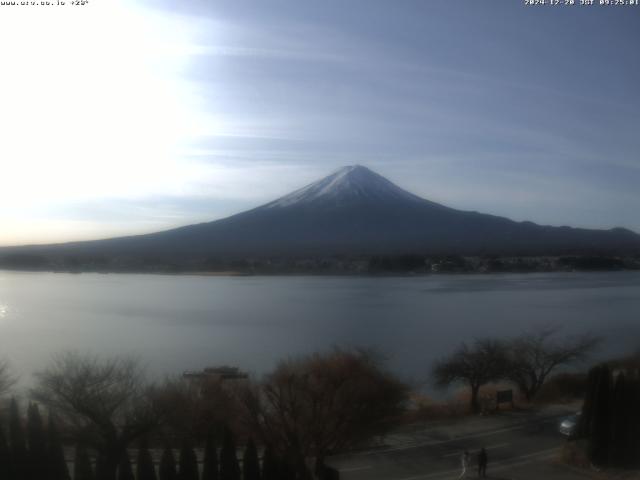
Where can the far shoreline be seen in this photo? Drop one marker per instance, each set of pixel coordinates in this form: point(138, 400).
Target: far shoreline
point(240, 274)
point(397, 265)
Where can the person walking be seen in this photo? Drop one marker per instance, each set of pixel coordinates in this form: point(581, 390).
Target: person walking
point(465, 463)
point(483, 459)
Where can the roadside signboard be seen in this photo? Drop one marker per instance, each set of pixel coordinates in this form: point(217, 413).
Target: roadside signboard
point(504, 396)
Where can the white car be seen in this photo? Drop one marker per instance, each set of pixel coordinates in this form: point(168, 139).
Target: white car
point(569, 425)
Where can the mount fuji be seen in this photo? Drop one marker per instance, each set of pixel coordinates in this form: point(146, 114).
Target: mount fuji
point(353, 211)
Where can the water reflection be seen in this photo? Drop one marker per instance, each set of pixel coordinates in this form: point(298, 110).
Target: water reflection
point(176, 323)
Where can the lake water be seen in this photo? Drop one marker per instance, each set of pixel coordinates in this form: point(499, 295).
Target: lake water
point(174, 323)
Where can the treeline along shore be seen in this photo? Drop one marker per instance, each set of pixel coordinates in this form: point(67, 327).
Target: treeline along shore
point(417, 264)
point(107, 421)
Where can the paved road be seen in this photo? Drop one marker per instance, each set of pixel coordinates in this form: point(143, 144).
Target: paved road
point(433, 453)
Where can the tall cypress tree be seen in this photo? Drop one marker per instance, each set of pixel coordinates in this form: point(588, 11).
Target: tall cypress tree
point(600, 438)
point(229, 467)
point(82, 464)
point(37, 441)
point(634, 421)
point(585, 424)
point(250, 462)
point(19, 454)
point(610, 417)
point(101, 472)
point(145, 469)
point(167, 466)
point(125, 472)
point(56, 462)
point(619, 451)
point(5, 456)
point(188, 462)
point(269, 465)
point(286, 468)
point(210, 466)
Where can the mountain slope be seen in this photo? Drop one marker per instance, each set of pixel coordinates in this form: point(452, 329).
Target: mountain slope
point(354, 211)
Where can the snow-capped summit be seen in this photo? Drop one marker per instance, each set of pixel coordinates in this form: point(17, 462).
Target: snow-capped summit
point(353, 183)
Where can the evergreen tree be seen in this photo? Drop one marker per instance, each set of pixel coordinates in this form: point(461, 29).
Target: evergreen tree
point(188, 462)
point(634, 420)
point(82, 465)
point(168, 466)
point(585, 424)
point(125, 472)
point(145, 469)
point(5, 456)
point(56, 462)
point(600, 439)
point(250, 462)
point(210, 466)
point(101, 468)
point(610, 417)
point(19, 454)
point(229, 467)
point(37, 441)
point(620, 412)
point(269, 465)
point(286, 469)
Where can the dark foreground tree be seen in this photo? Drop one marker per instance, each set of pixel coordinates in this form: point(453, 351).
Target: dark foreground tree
point(188, 462)
point(318, 405)
point(229, 467)
point(535, 355)
point(193, 407)
point(37, 440)
point(19, 453)
point(585, 424)
point(610, 419)
point(250, 463)
point(105, 399)
point(210, 462)
point(269, 465)
point(476, 365)
point(5, 456)
point(289, 468)
point(125, 471)
point(58, 469)
point(167, 469)
point(82, 464)
point(621, 415)
point(600, 440)
point(144, 468)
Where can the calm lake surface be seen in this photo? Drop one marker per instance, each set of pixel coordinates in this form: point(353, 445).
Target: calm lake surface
point(174, 323)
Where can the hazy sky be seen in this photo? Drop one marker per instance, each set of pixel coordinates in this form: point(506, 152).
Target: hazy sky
point(123, 116)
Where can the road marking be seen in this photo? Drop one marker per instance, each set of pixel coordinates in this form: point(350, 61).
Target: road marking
point(355, 469)
point(436, 442)
point(499, 445)
point(409, 446)
point(512, 462)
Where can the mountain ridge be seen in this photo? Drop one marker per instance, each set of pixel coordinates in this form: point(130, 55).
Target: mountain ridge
point(352, 211)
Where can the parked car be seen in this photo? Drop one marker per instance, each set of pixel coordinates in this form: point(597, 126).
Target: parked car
point(569, 425)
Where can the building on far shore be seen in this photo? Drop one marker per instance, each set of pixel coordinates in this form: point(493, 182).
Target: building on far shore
point(221, 373)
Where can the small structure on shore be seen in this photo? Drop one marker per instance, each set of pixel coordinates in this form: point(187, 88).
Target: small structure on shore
point(223, 372)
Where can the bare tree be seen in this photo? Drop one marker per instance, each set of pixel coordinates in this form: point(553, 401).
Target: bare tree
point(106, 400)
point(476, 365)
point(322, 404)
point(534, 355)
point(194, 407)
